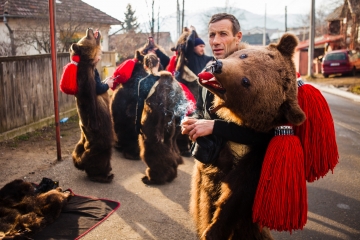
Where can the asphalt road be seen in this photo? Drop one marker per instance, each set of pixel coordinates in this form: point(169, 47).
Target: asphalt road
point(161, 212)
point(334, 201)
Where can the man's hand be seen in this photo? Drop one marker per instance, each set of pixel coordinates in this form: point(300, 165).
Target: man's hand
point(197, 127)
point(109, 81)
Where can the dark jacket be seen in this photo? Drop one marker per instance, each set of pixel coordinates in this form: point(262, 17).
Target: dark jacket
point(195, 62)
point(144, 87)
point(230, 131)
point(100, 87)
point(164, 59)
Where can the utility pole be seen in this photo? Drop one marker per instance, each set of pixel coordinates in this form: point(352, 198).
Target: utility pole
point(264, 34)
point(152, 18)
point(177, 19)
point(311, 39)
point(285, 18)
point(182, 17)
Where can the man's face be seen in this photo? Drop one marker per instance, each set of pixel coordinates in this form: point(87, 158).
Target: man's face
point(222, 41)
point(200, 49)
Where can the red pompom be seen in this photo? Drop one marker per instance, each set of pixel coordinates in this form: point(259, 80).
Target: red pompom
point(123, 72)
point(317, 133)
point(281, 196)
point(171, 67)
point(68, 82)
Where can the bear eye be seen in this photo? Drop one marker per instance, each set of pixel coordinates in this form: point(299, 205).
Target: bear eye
point(242, 56)
point(245, 82)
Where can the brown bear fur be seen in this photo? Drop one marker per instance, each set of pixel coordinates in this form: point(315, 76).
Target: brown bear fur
point(93, 152)
point(160, 126)
point(123, 111)
point(256, 87)
point(23, 212)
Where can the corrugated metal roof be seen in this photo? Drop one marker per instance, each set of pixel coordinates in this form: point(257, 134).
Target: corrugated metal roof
point(77, 9)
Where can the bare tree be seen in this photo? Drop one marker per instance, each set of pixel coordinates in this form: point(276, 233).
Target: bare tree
point(5, 49)
point(36, 33)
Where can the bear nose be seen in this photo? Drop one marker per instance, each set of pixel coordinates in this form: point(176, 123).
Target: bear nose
point(214, 67)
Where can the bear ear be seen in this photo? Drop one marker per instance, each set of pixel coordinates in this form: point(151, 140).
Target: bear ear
point(287, 44)
point(139, 56)
point(293, 113)
point(74, 48)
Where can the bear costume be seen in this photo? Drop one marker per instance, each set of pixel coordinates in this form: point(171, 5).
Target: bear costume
point(93, 151)
point(123, 111)
point(164, 107)
point(23, 212)
point(254, 87)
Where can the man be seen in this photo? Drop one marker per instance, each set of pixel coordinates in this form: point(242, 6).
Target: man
point(195, 52)
point(224, 37)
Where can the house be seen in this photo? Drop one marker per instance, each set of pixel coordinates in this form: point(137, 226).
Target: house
point(255, 39)
point(24, 25)
point(343, 33)
point(125, 44)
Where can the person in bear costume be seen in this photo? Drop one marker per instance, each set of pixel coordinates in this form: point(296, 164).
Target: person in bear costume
point(124, 99)
point(161, 105)
point(254, 87)
point(93, 151)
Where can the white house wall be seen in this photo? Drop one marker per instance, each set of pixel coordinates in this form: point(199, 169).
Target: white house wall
point(17, 24)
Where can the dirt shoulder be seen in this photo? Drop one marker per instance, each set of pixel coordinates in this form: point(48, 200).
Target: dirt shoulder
point(37, 150)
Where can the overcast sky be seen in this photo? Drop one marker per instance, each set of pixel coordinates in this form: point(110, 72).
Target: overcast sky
point(116, 8)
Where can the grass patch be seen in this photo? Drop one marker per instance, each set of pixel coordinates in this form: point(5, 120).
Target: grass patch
point(355, 89)
point(24, 137)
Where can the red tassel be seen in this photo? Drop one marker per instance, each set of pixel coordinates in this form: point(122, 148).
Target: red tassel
point(281, 196)
point(123, 72)
point(317, 133)
point(172, 65)
point(68, 82)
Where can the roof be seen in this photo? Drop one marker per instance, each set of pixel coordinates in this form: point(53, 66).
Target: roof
point(255, 39)
point(320, 40)
point(337, 14)
point(77, 9)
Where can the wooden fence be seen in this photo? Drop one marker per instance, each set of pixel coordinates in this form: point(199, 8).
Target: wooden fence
point(26, 90)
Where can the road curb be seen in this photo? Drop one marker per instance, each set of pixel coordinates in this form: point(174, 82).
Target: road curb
point(333, 90)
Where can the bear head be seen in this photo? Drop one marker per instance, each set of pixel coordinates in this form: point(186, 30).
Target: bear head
point(88, 46)
point(256, 86)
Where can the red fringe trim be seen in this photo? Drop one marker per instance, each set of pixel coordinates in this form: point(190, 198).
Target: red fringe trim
point(281, 196)
point(317, 134)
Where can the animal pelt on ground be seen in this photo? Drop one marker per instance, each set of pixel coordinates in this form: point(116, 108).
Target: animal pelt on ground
point(164, 107)
point(24, 212)
point(93, 151)
point(123, 110)
point(256, 87)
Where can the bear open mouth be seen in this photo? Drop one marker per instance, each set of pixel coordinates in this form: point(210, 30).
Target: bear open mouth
point(208, 80)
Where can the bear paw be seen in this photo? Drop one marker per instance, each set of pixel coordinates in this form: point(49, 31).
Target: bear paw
point(102, 178)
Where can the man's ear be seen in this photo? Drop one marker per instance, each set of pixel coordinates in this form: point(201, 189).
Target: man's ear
point(239, 37)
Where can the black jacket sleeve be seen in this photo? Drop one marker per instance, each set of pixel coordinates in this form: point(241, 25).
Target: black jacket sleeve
point(100, 87)
point(164, 59)
point(240, 134)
